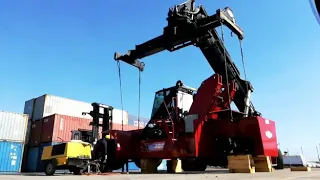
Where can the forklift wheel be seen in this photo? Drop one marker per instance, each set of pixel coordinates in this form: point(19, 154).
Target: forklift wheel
point(50, 167)
point(76, 171)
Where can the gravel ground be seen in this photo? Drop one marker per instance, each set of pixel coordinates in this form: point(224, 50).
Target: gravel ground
point(210, 174)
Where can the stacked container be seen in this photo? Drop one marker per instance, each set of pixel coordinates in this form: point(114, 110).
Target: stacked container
point(13, 128)
point(52, 118)
point(52, 130)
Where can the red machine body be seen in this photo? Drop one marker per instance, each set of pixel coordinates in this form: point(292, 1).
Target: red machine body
point(206, 131)
point(198, 126)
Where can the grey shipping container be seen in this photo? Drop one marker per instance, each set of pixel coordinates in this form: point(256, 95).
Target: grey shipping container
point(47, 105)
point(13, 126)
point(134, 121)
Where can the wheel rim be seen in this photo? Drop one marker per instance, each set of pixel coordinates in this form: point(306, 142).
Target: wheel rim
point(49, 167)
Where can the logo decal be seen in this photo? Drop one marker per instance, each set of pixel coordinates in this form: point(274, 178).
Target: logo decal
point(157, 146)
point(269, 134)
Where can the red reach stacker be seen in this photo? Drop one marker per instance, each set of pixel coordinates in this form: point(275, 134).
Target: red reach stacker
point(198, 126)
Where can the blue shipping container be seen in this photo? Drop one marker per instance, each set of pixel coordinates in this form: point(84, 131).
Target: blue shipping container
point(11, 156)
point(32, 159)
point(34, 163)
point(131, 167)
point(163, 165)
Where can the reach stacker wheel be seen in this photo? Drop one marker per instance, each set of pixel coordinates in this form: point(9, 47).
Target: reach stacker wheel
point(280, 164)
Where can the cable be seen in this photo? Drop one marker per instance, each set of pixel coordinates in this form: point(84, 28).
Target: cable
point(119, 71)
point(244, 67)
point(226, 69)
point(139, 99)
point(243, 64)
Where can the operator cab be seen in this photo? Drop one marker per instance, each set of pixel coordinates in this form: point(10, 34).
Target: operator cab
point(170, 104)
point(84, 135)
point(178, 97)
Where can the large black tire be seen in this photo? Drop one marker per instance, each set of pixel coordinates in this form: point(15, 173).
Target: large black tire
point(50, 167)
point(280, 164)
point(193, 165)
point(101, 149)
point(76, 171)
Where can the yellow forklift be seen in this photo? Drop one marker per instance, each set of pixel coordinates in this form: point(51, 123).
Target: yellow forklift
point(85, 152)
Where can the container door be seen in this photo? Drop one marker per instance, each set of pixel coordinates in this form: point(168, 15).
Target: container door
point(10, 156)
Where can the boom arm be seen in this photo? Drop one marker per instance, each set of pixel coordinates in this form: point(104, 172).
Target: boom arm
point(188, 25)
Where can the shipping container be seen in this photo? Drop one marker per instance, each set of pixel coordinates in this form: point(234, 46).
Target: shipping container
point(58, 127)
point(131, 167)
point(294, 160)
point(34, 163)
point(134, 121)
point(47, 105)
point(32, 159)
point(163, 165)
point(119, 116)
point(35, 134)
point(11, 156)
point(28, 108)
point(28, 133)
point(13, 126)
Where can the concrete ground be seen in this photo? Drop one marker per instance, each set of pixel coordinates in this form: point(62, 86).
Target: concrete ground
point(210, 174)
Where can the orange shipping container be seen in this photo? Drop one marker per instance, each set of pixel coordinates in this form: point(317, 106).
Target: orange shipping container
point(58, 127)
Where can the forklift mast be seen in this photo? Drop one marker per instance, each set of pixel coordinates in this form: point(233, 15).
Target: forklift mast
point(190, 25)
point(99, 111)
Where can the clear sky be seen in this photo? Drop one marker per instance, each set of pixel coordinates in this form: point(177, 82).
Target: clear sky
point(66, 48)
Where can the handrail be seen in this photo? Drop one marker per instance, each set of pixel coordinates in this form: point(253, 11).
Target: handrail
point(170, 119)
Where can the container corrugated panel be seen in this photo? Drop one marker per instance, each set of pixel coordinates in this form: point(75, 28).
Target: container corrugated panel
point(134, 121)
point(58, 127)
point(47, 105)
point(294, 160)
point(13, 126)
point(32, 159)
point(11, 156)
point(35, 134)
point(119, 116)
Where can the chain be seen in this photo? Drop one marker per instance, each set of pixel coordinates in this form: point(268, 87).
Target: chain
point(226, 69)
point(119, 71)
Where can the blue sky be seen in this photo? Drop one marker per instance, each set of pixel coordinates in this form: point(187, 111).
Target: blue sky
point(66, 48)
